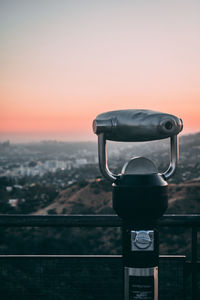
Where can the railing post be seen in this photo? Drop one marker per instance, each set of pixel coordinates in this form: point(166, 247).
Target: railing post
point(194, 263)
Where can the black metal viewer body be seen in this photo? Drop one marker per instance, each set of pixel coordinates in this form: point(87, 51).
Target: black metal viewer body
point(139, 192)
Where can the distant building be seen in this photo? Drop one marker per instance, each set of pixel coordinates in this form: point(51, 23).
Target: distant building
point(17, 186)
point(81, 161)
point(96, 160)
point(71, 182)
point(9, 188)
point(13, 202)
point(53, 165)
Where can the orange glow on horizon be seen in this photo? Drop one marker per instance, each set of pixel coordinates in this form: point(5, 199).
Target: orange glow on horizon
point(63, 64)
point(58, 116)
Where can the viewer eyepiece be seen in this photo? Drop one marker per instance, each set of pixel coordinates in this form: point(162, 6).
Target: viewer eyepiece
point(168, 125)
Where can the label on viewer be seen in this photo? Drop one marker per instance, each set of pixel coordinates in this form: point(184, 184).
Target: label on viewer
point(141, 288)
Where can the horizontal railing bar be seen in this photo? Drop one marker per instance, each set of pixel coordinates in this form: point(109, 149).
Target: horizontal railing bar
point(89, 220)
point(60, 220)
point(62, 256)
point(187, 263)
point(24, 256)
point(180, 220)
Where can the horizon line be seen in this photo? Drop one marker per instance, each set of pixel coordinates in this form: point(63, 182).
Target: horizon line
point(92, 139)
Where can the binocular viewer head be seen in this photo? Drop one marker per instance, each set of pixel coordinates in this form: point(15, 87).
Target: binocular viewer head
point(134, 125)
point(139, 191)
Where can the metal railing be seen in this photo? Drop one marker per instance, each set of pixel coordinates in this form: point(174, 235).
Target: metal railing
point(184, 221)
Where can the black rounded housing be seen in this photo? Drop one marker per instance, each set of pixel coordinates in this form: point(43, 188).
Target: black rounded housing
point(140, 197)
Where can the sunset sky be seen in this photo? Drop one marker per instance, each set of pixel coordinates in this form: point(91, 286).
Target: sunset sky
point(63, 62)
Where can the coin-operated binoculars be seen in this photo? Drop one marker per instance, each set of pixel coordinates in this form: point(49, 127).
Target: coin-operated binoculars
point(139, 193)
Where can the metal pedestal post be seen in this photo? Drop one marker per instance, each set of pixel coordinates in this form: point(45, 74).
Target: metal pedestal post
point(141, 283)
point(140, 258)
point(139, 192)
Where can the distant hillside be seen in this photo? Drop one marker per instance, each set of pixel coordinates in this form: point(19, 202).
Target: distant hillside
point(95, 198)
point(83, 198)
point(184, 197)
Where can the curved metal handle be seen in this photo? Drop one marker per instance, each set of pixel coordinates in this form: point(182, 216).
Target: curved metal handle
point(103, 165)
point(174, 157)
point(136, 125)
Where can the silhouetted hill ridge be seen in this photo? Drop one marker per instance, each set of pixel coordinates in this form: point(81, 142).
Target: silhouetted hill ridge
point(95, 197)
